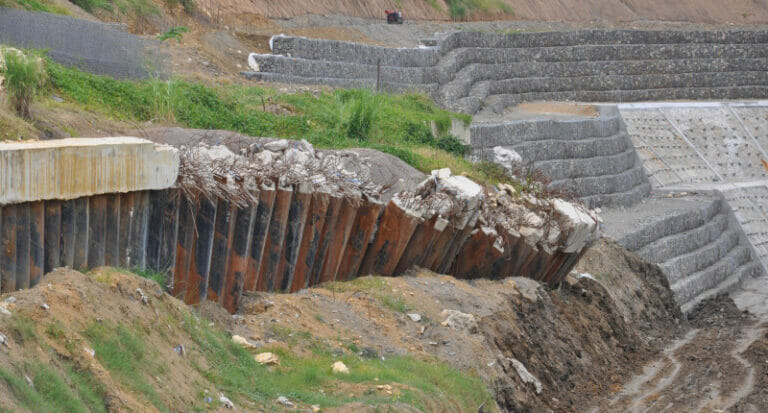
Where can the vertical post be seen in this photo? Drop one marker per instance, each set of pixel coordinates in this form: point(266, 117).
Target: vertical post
point(8, 249)
point(36, 242)
point(52, 235)
point(378, 75)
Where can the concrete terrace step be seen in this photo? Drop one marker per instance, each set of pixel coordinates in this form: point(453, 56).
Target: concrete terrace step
point(628, 82)
point(572, 168)
point(478, 72)
point(750, 269)
point(674, 221)
point(459, 58)
point(603, 184)
point(487, 135)
point(689, 287)
point(679, 267)
point(618, 199)
point(343, 70)
point(496, 103)
point(684, 241)
point(601, 36)
point(554, 149)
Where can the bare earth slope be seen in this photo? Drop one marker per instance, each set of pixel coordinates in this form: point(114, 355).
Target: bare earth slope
point(700, 11)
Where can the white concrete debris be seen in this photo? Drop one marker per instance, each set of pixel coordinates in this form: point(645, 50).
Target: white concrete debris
point(225, 401)
point(340, 367)
point(525, 375)
point(414, 317)
point(459, 321)
point(581, 225)
point(507, 158)
point(284, 401)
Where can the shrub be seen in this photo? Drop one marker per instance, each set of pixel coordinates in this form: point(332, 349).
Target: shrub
point(24, 79)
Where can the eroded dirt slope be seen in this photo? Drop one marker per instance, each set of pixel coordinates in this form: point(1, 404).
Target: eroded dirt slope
point(700, 11)
point(535, 349)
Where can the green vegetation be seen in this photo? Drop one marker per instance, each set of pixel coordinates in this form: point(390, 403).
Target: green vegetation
point(121, 350)
point(141, 9)
point(308, 379)
point(47, 6)
point(25, 78)
point(73, 392)
point(409, 126)
point(173, 33)
point(188, 5)
point(152, 275)
point(377, 287)
point(460, 9)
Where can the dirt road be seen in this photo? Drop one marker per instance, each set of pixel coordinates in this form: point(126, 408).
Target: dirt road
point(720, 364)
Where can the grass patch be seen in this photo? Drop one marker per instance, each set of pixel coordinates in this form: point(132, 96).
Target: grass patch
point(462, 9)
point(65, 390)
point(46, 6)
point(301, 379)
point(151, 275)
point(122, 351)
point(375, 286)
point(402, 125)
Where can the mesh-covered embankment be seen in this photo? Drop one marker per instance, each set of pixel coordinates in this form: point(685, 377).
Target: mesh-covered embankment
point(472, 71)
point(591, 158)
point(90, 46)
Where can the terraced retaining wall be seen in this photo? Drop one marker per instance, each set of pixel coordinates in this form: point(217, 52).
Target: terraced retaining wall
point(592, 158)
point(470, 72)
point(270, 236)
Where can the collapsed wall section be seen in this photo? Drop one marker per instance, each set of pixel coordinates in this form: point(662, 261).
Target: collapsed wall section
point(281, 217)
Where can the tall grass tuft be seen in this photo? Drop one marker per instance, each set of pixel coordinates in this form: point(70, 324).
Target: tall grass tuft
point(25, 78)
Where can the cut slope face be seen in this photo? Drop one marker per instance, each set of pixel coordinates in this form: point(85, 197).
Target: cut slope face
point(708, 11)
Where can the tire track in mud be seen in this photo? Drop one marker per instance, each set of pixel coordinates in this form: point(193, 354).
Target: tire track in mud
point(706, 370)
point(654, 372)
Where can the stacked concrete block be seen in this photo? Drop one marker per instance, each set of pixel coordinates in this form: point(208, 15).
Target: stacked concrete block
point(470, 72)
point(593, 158)
point(700, 245)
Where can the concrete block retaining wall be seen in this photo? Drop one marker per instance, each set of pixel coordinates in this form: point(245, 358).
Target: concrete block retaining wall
point(702, 249)
point(477, 70)
point(593, 157)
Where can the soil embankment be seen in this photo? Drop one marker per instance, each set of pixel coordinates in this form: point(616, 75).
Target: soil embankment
point(533, 347)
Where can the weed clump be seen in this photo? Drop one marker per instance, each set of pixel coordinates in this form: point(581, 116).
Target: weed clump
point(25, 78)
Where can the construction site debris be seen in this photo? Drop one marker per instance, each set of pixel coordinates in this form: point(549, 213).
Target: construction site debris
point(340, 368)
point(267, 358)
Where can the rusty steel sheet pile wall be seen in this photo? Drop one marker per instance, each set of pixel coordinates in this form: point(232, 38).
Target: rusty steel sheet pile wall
point(231, 225)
